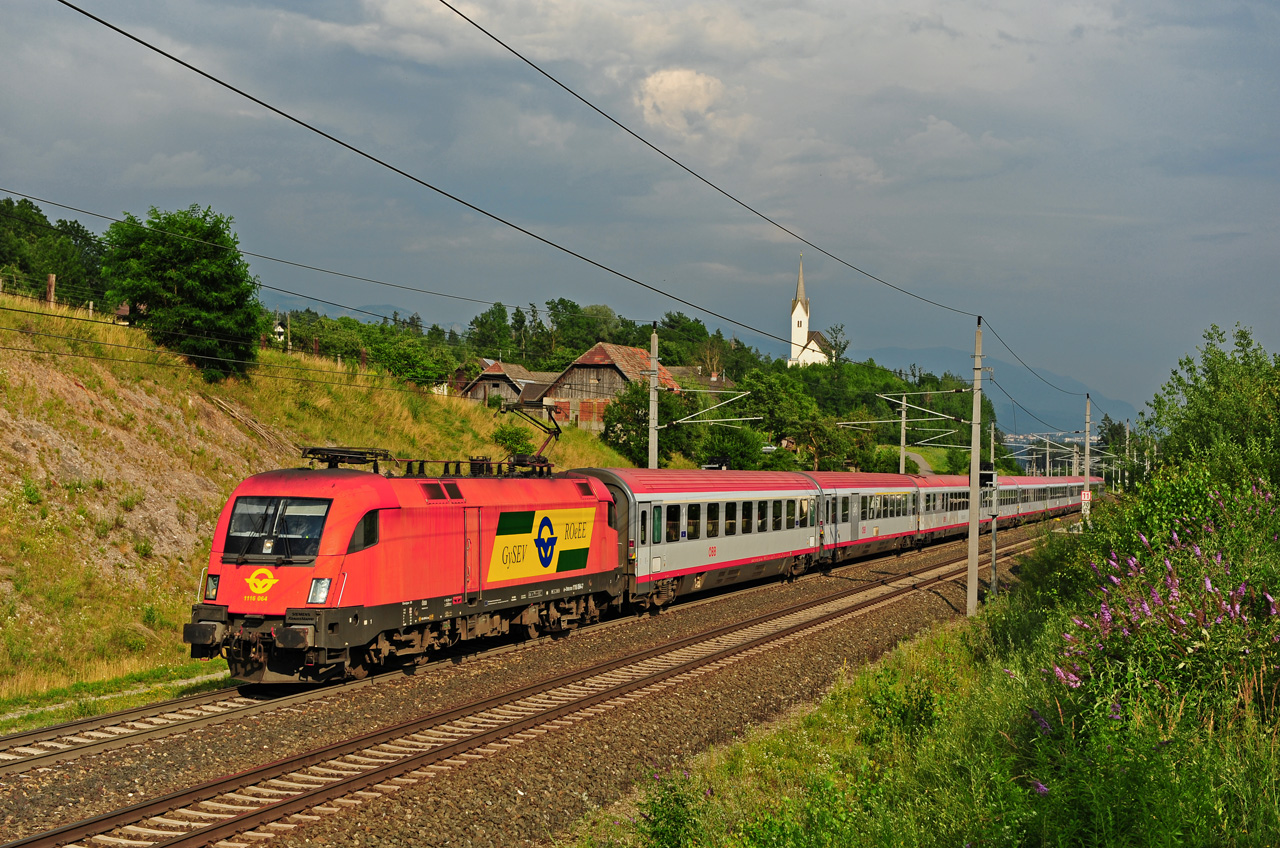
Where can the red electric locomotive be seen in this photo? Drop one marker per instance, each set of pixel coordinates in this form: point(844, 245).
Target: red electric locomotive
point(317, 573)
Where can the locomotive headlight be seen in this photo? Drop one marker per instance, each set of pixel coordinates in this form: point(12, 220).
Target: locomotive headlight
point(319, 590)
point(211, 587)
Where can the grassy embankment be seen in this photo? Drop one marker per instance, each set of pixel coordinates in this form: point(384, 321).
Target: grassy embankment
point(112, 474)
point(1127, 696)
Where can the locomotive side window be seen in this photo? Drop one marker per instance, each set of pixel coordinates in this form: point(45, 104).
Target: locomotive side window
point(433, 491)
point(731, 518)
point(713, 520)
point(453, 490)
point(695, 521)
point(644, 526)
point(673, 523)
point(777, 514)
point(366, 534)
point(747, 523)
point(844, 509)
point(762, 516)
point(613, 516)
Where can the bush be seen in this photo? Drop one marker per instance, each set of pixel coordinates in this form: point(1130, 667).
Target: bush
point(513, 439)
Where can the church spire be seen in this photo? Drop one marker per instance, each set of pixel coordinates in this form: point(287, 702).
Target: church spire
point(800, 299)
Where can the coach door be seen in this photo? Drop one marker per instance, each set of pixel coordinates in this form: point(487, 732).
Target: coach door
point(649, 549)
point(471, 555)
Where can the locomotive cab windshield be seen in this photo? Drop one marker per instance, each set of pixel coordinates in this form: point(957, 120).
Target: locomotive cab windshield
point(275, 528)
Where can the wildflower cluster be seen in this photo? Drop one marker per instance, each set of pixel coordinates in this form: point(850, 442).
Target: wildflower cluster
point(1175, 616)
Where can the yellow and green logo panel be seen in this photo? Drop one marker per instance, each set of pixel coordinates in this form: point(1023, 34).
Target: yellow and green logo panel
point(543, 541)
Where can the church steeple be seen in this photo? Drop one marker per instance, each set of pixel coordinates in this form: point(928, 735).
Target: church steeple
point(800, 300)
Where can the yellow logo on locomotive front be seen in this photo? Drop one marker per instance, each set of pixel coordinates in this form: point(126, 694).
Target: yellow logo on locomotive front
point(533, 543)
point(261, 581)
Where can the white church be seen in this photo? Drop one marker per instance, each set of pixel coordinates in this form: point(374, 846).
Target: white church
point(808, 347)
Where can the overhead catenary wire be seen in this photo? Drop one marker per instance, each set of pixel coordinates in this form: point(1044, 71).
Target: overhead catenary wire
point(730, 196)
point(400, 171)
point(893, 372)
point(693, 173)
point(493, 216)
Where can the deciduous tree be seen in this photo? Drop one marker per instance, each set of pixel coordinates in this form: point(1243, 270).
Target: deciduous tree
point(188, 286)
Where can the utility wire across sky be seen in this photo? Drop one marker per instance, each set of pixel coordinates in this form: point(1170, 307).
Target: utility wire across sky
point(497, 218)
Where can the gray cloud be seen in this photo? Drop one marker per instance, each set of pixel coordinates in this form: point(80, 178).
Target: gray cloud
point(1076, 173)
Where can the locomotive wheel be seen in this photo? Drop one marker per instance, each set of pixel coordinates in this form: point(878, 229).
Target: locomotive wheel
point(529, 631)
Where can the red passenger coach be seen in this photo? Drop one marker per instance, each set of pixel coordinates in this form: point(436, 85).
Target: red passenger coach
point(319, 573)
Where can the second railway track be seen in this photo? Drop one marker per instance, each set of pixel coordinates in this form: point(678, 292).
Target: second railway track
point(279, 797)
point(47, 746)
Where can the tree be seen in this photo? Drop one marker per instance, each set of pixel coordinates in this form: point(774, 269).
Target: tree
point(1223, 410)
point(490, 332)
point(837, 343)
point(626, 424)
point(187, 286)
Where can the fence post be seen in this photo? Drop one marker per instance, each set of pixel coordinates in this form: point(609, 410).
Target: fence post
point(50, 286)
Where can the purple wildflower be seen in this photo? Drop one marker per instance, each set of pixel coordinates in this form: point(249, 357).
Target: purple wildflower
point(1271, 601)
point(1068, 637)
point(1145, 543)
point(1045, 728)
point(1155, 597)
point(1146, 610)
point(1208, 587)
point(1113, 579)
point(1176, 543)
point(1039, 787)
point(1115, 711)
point(1196, 548)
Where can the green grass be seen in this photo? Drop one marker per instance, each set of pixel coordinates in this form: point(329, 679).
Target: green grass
point(1065, 715)
point(98, 697)
point(88, 589)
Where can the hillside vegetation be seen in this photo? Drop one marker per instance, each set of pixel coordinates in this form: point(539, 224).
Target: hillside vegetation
point(1128, 693)
point(116, 456)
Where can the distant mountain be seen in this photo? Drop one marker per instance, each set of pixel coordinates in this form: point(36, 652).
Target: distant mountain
point(1056, 409)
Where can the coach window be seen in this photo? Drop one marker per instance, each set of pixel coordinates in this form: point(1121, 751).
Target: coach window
point(777, 515)
point(695, 521)
point(366, 535)
point(844, 510)
point(713, 520)
point(644, 526)
point(731, 518)
point(747, 521)
point(657, 524)
point(791, 515)
point(762, 516)
point(673, 523)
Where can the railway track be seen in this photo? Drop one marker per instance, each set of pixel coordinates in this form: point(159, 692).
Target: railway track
point(59, 743)
point(253, 806)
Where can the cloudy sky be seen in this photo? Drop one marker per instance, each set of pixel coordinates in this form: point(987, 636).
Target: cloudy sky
point(1097, 179)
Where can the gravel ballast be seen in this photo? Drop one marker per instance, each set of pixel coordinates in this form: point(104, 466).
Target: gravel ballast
point(544, 785)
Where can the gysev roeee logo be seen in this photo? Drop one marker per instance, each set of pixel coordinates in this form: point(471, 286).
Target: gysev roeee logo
point(535, 542)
